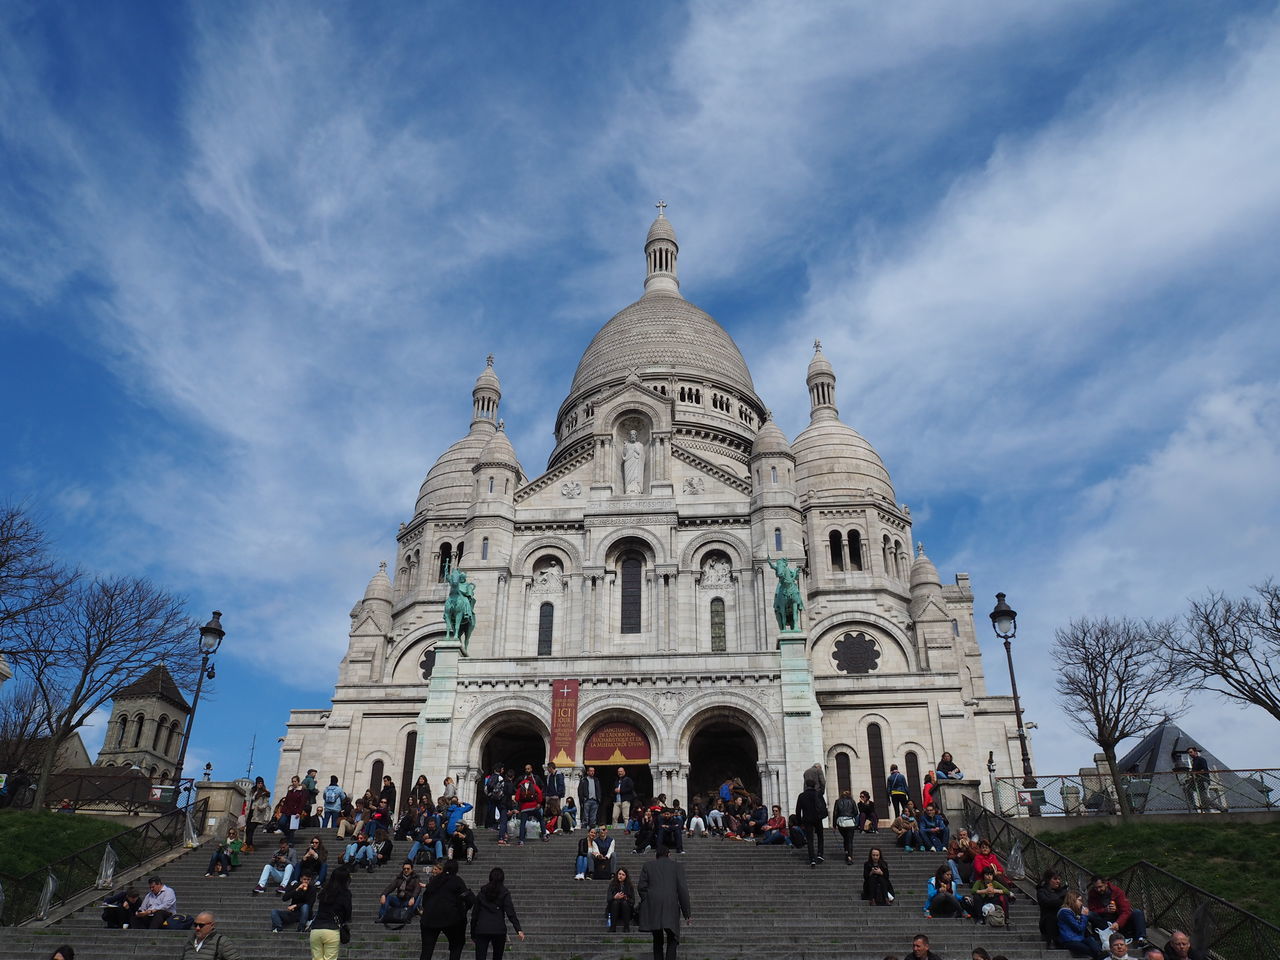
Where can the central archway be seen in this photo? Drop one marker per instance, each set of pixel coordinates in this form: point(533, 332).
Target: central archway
point(720, 750)
point(512, 742)
point(619, 744)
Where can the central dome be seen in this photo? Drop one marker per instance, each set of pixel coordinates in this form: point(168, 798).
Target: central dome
point(662, 334)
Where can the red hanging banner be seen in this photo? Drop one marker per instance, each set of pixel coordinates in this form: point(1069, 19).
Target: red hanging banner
point(564, 723)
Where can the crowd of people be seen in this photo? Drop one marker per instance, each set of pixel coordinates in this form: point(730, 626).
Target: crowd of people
point(970, 882)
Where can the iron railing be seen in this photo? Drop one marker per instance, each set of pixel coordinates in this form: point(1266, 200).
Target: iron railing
point(29, 897)
point(1169, 902)
point(1174, 791)
point(108, 793)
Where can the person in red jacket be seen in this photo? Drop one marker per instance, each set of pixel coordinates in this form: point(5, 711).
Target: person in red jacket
point(1111, 912)
point(293, 808)
point(529, 803)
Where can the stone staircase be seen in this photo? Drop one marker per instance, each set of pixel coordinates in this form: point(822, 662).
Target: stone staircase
point(753, 903)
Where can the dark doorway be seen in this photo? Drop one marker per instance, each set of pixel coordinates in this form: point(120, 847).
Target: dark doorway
point(639, 773)
point(720, 750)
point(513, 745)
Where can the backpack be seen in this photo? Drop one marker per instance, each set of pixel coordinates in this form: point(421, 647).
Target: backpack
point(992, 915)
point(333, 795)
point(180, 921)
point(526, 792)
point(493, 787)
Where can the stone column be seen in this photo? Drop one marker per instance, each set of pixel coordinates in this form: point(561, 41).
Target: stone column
point(435, 720)
point(766, 784)
point(801, 715)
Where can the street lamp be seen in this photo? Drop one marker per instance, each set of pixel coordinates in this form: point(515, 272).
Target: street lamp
point(211, 635)
point(1004, 620)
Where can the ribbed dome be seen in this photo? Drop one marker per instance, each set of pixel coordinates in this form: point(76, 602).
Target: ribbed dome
point(662, 333)
point(487, 376)
point(833, 457)
point(499, 451)
point(819, 363)
point(924, 575)
point(379, 587)
point(450, 482)
point(771, 442)
point(661, 229)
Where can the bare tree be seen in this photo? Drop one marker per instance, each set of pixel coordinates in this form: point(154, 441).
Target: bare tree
point(1113, 681)
point(1232, 647)
point(30, 579)
point(105, 635)
point(24, 724)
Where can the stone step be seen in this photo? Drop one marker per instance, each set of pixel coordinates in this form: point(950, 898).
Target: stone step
point(748, 902)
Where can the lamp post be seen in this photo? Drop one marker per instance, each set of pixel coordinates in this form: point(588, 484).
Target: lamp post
point(211, 635)
point(1004, 620)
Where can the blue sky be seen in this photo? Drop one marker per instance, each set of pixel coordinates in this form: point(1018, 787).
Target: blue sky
point(252, 258)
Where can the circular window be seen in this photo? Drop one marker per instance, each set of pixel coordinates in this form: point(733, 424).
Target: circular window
point(856, 653)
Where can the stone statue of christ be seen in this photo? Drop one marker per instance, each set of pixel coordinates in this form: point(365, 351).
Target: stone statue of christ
point(633, 464)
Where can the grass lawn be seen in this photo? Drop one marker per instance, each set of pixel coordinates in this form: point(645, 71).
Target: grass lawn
point(1233, 861)
point(30, 839)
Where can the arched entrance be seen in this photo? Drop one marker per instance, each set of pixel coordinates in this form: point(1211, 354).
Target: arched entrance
point(619, 744)
point(513, 742)
point(720, 750)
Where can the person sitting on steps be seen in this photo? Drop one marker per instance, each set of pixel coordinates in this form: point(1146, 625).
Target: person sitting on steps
point(877, 887)
point(299, 899)
point(281, 868)
point(620, 901)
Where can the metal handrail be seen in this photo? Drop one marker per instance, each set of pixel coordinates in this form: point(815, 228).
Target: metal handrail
point(1162, 792)
point(1169, 902)
point(110, 793)
point(78, 872)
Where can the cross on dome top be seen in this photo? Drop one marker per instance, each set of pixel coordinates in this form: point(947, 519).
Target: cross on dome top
point(488, 361)
point(662, 207)
point(817, 346)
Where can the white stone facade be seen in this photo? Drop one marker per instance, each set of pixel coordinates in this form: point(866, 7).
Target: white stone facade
point(660, 600)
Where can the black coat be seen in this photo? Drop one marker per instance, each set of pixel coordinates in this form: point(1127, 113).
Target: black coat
point(489, 916)
point(866, 878)
point(627, 788)
point(811, 807)
point(664, 895)
point(582, 790)
point(444, 901)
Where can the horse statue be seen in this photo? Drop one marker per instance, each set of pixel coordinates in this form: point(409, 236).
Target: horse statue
point(459, 607)
point(787, 602)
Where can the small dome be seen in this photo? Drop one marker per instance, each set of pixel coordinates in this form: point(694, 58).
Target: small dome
point(379, 587)
point(661, 229)
point(498, 452)
point(488, 378)
point(834, 458)
point(924, 574)
point(819, 364)
point(449, 482)
point(771, 442)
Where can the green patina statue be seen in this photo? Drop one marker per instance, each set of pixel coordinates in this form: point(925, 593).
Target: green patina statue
point(459, 607)
point(787, 602)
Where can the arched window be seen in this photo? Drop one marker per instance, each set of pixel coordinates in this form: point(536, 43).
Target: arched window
point(546, 624)
point(844, 779)
point(154, 770)
point(137, 732)
point(837, 551)
point(457, 554)
point(446, 558)
point(484, 549)
point(777, 539)
point(773, 474)
point(855, 550)
point(885, 555)
point(913, 777)
point(719, 639)
point(897, 558)
point(631, 594)
point(406, 769)
point(164, 776)
point(124, 728)
point(875, 753)
point(161, 724)
point(171, 741)
point(375, 777)
point(491, 484)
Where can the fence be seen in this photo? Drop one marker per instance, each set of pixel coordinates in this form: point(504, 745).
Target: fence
point(1174, 791)
point(108, 793)
point(1169, 902)
point(32, 896)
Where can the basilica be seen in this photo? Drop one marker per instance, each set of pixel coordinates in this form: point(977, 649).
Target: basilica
point(624, 596)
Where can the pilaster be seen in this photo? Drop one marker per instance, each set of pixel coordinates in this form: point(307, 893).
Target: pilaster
point(801, 715)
